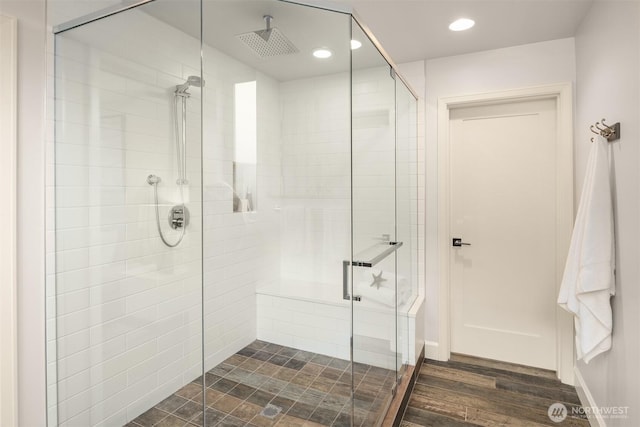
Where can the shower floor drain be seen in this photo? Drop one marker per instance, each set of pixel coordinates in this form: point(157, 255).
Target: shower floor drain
point(271, 411)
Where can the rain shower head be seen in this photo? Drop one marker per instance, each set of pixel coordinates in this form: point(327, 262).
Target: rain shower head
point(268, 42)
point(194, 81)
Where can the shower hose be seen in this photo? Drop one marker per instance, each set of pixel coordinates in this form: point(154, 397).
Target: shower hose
point(154, 180)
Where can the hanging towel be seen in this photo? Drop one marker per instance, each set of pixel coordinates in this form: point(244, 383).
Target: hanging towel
point(588, 281)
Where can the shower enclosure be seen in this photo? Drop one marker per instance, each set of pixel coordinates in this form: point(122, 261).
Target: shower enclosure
point(233, 237)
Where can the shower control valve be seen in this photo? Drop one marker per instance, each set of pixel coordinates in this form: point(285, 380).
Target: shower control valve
point(178, 217)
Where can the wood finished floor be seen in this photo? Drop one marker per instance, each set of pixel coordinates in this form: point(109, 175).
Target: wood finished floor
point(468, 391)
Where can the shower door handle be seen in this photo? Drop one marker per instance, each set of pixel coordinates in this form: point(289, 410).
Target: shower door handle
point(345, 283)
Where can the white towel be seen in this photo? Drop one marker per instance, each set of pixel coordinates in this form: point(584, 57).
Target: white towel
point(588, 280)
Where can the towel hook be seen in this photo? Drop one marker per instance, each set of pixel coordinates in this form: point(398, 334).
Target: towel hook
point(611, 133)
point(599, 128)
point(609, 128)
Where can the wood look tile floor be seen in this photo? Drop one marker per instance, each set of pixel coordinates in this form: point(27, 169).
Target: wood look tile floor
point(468, 391)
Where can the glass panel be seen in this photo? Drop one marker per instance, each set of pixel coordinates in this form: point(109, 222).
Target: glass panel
point(127, 151)
point(407, 218)
point(375, 243)
point(273, 269)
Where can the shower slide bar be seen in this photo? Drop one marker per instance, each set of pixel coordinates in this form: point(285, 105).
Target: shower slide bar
point(391, 247)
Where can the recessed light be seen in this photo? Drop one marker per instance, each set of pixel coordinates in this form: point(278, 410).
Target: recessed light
point(355, 44)
point(322, 53)
point(462, 24)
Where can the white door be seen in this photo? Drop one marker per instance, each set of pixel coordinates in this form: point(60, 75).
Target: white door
point(503, 203)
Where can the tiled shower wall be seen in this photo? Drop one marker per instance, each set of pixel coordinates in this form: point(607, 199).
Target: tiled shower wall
point(316, 168)
point(125, 309)
point(316, 173)
point(242, 248)
point(316, 181)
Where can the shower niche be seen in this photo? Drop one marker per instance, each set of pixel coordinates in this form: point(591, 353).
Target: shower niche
point(235, 225)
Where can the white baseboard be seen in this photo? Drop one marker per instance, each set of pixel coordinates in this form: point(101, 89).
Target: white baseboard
point(432, 351)
point(586, 399)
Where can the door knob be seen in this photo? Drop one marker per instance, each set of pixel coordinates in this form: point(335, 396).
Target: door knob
point(457, 242)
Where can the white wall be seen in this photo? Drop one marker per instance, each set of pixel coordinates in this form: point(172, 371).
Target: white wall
point(608, 85)
point(494, 70)
point(31, 196)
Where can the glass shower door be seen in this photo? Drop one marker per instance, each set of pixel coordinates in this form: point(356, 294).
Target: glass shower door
point(374, 235)
point(125, 311)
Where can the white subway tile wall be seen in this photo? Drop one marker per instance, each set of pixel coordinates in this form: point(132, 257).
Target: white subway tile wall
point(315, 216)
point(316, 213)
point(240, 249)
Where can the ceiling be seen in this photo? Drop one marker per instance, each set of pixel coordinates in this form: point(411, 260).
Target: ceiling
point(412, 30)
point(409, 30)
point(307, 28)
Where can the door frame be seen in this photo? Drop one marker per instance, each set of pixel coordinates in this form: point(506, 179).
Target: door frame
point(8, 218)
point(563, 95)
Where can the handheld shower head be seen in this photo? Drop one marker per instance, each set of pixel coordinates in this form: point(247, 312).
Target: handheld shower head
point(195, 81)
